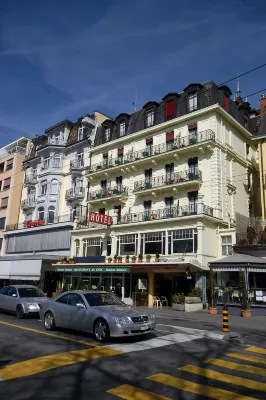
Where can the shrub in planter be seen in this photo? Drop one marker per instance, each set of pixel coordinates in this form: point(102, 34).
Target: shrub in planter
point(79, 285)
point(196, 292)
point(245, 311)
point(115, 259)
point(127, 259)
point(148, 258)
point(133, 259)
point(140, 257)
point(119, 259)
point(178, 302)
point(89, 286)
point(99, 286)
point(157, 257)
point(109, 260)
point(65, 288)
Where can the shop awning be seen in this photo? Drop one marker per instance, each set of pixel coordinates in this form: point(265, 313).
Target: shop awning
point(23, 269)
point(238, 261)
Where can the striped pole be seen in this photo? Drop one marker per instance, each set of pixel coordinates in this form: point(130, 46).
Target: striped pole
point(225, 319)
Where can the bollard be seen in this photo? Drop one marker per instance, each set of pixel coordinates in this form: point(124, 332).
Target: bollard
point(225, 319)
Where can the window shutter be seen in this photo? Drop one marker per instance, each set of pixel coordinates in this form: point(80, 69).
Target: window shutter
point(193, 126)
point(120, 152)
point(170, 110)
point(150, 140)
point(226, 102)
point(170, 136)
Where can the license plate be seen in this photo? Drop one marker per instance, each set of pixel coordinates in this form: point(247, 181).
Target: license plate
point(144, 328)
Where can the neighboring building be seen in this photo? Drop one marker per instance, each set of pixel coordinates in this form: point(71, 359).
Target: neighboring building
point(54, 185)
point(176, 177)
point(11, 184)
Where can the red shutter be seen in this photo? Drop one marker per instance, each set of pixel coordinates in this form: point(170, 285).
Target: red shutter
point(120, 151)
point(170, 110)
point(169, 136)
point(193, 126)
point(226, 102)
point(150, 140)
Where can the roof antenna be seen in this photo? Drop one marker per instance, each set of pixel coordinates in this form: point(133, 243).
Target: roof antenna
point(135, 102)
point(238, 92)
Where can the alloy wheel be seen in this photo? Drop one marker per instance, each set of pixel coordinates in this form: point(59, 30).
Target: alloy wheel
point(101, 331)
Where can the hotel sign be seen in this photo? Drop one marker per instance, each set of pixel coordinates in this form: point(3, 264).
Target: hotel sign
point(101, 219)
point(93, 269)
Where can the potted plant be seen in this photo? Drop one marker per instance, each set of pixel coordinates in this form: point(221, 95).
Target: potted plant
point(89, 286)
point(65, 261)
point(245, 311)
point(133, 259)
point(71, 260)
point(157, 257)
point(61, 261)
point(140, 257)
point(79, 285)
point(119, 259)
point(115, 259)
point(178, 302)
point(64, 288)
point(73, 286)
point(127, 259)
point(99, 286)
point(148, 258)
point(211, 285)
point(109, 260)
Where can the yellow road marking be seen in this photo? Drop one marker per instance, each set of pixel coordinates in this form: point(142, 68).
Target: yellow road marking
point(128, 392)
point(207, 391)
point(245, 357)
point(235, 380)
point(49, 334)
point(256, 350)
point(239, 367)
point(46, 363)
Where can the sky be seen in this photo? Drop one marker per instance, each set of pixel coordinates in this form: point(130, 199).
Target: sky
point(63, 59)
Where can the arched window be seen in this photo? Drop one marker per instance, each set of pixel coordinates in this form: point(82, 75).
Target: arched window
point(51, 214)
point(54, 186)
point(56, 161)
point(77, 248)
point(41, 213)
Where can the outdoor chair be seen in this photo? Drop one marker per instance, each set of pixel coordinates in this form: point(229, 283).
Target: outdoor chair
point(157, 302)
point(164, 301)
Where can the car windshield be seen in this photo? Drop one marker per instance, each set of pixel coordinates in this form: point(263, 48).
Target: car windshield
point(102, 299)
point(30, 292)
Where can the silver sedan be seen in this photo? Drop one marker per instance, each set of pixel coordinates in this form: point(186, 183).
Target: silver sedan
point(21, 299)
point(97, 312)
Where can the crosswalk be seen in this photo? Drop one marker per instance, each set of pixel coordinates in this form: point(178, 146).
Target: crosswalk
point(234, 376)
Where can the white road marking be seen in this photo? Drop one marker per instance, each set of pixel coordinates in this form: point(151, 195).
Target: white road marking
point(154, 343)
point(199, 332)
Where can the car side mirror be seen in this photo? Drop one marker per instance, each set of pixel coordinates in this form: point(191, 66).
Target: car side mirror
point(14, 295)
point(80, 305)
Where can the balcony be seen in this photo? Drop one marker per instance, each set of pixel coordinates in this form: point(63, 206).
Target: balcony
point(30, 180)
point(75, 193)
point(165, 182)
point(173, 212)
point(28, 204)
point(63, 218)
point(156, 151)
point(77, 165)
point(108, 194)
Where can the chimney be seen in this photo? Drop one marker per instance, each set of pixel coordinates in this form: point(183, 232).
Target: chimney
point(262, 104)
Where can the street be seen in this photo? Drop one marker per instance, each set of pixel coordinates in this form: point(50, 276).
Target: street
point(178, 362)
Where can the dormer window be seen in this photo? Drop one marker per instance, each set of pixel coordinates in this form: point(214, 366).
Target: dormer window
point(150, 117)
point(122, 128)
point(192, 101)
point(107, 134)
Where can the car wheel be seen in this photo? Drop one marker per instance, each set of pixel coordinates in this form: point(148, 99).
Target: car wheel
point(19, 312)
point(101, 330)
point(49, 321)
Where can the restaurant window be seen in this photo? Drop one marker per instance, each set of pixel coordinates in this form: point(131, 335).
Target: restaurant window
point(170, 110)
point(2, 222)
point(227, 279)
point(227, 249)
point(51, 215)
point(41, 213)
point(183, 241)
point(150, 117)
point(77, 248)
point(92, 247)
point(192, 101)
point(152, 243)
point(127, 245)
point(122, 128)
point(107, 134)
point(193, 202)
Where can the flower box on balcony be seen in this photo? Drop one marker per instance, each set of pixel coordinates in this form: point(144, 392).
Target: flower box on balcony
point(98, 196)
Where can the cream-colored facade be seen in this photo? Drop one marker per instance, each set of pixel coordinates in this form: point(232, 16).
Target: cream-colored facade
point(11, 183)
point(207, 185)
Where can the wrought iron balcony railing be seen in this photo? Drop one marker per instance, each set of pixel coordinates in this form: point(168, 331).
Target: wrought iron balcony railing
point(154, 150)
point(171, 212)
point(108, 192)
point(164, 180)
point(28, 203)
point(75, 193)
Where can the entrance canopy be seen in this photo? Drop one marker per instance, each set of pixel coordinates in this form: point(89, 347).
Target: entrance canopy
point(238, 261)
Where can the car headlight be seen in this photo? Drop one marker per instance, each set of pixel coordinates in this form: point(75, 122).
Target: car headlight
point(33, 305)
point(152, 316)
point(122, 320)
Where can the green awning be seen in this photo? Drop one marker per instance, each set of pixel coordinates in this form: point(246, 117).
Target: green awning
point(93, 269)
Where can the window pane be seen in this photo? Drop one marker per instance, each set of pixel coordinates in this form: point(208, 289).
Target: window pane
point(224, 250)
point(127, 249)
point(183, 246)
point(153, 248)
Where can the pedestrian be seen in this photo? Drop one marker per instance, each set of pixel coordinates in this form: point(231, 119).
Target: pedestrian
point(118, 291)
